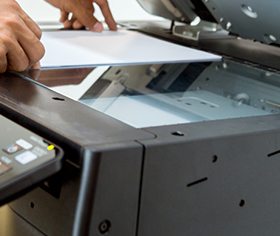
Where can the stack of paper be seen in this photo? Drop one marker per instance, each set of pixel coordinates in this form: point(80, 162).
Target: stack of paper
point(81, 48)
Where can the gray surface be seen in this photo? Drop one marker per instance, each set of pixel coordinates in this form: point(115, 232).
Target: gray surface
point(117, 194)
point(13, 225)
point(51, 215)
point(115, 198)
point(250, 19)
point(242, 171)
point(244, 22)
point(156, 7)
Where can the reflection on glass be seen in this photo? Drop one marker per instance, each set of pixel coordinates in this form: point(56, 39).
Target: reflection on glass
point(155, 95)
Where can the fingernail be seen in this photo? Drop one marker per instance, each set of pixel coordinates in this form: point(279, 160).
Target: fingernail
point(98, 27)
point(36, 66)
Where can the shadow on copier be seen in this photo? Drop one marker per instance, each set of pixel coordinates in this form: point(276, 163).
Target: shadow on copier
point(169, 149)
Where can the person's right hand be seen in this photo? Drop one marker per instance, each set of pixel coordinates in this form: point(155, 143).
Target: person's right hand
point(20, 46)
point(82, 11)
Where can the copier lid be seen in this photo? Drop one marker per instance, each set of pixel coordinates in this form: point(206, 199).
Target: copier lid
point(250, 19)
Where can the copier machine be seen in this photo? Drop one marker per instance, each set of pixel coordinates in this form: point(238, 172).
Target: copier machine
point(147, 150)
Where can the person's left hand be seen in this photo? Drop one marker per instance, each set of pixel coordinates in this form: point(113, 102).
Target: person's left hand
point(82, 14)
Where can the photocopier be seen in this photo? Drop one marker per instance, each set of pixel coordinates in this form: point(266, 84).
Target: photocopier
point(153, 149)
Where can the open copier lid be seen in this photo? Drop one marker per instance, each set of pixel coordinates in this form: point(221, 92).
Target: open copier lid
point(256, 20)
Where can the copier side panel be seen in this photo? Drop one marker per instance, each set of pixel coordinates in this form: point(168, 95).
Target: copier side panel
point(222, 184)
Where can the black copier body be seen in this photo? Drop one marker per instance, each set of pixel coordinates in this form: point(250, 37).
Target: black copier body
point(202, 157)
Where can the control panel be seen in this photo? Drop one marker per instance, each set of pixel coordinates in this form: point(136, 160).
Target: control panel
point(25, 159)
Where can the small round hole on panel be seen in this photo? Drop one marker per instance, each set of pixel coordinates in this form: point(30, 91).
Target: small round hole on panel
point(104, 226)
point(241, 203)
point(214, 158)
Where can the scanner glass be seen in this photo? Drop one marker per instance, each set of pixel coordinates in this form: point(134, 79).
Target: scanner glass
point(166, 94)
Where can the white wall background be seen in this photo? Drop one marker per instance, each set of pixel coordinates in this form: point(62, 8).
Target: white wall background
point(123, 10)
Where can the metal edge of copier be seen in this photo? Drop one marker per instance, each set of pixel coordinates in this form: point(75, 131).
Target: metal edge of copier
point(54, 119)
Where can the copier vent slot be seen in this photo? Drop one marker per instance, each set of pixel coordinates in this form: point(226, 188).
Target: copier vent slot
point(58, 99)
point(32, 205)
point(197, 182)
point(273, 153)
point(177, 133)
point(118, 72)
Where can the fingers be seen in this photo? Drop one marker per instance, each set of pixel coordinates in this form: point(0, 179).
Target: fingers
point(36, 66)
point(14, 8)
point(3, 59)
point(77, 25)
point(32, 26)
point(18, 44)
point(86, 3)
point(83, 11)
point(68, 23)
point(73, 23)
point(104, 7)
point(63, 16)
point(86, 18)
point(18, 60)
point(32, 47)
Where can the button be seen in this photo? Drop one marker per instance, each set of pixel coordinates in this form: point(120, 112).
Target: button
point(13, 148)
point(4, 167)
point(26, 145)
point(26, 157)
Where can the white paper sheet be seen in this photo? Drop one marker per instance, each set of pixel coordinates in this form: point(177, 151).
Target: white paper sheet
point(84, 48)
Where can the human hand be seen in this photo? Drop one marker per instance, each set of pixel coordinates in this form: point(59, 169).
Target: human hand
point(20, 46)
point(82, 11)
